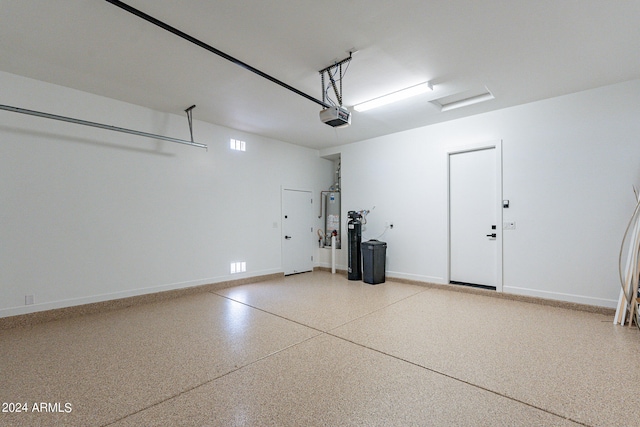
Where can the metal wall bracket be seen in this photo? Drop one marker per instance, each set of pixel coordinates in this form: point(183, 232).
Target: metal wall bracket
point(331, 71)
point(189, 112)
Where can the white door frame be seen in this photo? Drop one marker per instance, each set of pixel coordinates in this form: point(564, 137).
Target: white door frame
point(497, 145)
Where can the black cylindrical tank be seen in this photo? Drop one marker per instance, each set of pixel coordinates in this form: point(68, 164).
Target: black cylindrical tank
point(354, 227)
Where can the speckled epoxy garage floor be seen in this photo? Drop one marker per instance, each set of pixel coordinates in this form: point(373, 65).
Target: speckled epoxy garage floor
point(318, 350)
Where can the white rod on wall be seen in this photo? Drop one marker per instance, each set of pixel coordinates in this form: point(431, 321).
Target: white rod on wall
point(99, 125)
point(333, 254)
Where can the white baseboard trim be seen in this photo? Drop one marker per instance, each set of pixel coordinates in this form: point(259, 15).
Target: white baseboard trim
point(328, 265)
point(71, 302)
point(578, 299)
point(416, 277)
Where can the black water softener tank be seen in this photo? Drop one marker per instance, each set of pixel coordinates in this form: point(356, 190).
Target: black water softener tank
point(354, 227)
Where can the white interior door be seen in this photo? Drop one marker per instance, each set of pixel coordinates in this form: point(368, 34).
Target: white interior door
point(297, 231)
point(473, 217)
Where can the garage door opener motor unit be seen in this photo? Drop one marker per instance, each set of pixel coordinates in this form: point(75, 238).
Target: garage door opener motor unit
point(336, 116)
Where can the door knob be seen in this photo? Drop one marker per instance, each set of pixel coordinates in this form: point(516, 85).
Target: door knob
point(493, 235)
point(287, 237)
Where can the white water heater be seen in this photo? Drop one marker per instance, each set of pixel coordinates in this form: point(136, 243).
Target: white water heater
point(332, 217)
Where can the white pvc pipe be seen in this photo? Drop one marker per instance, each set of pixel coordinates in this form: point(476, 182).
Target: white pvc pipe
point(631, 270)
point(333, 254)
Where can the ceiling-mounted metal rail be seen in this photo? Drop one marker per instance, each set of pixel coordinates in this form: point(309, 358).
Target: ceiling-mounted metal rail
point(328, 70)
point(212, 49)
point(99, 125)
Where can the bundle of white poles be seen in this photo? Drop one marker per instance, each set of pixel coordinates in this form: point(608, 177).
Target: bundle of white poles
point(627, 309)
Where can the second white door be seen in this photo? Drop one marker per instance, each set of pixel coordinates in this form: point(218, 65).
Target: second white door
point(473, 217)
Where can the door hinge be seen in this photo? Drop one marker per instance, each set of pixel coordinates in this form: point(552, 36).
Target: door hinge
point(311, 257)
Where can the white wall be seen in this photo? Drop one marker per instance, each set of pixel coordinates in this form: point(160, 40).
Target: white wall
point(89, 215)
point(569, 164)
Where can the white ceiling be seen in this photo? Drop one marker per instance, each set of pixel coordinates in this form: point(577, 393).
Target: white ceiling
point(521, 50)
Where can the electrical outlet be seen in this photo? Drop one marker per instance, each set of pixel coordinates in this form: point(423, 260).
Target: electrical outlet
point(509, 225)
point(29, 300)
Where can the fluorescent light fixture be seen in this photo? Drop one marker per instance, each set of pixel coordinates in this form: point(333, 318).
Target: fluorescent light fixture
point(394, 97)
point(488, 96)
